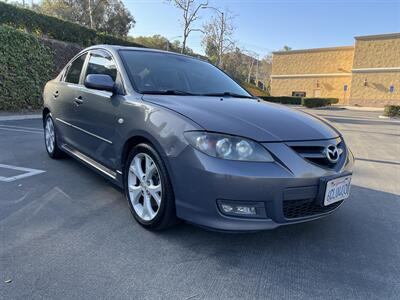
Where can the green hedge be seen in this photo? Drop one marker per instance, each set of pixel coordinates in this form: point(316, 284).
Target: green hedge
point(307, 102)
point(283, 99)
point(25, 66)
point(318, 102)
point(51, 27)
point(392, 110)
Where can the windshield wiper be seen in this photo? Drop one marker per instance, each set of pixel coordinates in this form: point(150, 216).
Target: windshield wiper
point(230, 94)
point(185, 93)
point(168, 92)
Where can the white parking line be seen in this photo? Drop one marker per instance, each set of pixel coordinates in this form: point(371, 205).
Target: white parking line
point(21, 127)
point(20, 130)
point(28, 172)
point(20, 117)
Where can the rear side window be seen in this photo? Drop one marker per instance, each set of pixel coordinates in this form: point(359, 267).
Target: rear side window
point(100, 64)
point(74, 71)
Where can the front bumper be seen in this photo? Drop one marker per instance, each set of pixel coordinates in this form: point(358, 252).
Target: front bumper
point(288, 189)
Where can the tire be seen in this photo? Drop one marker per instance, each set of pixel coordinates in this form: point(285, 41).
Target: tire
point(152, 208)
point(50, 139)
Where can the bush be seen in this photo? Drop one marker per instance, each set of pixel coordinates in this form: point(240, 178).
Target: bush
point(51, 27)
point(318, 102)
point(283, 100)
point(254, 90)
point(63, 53)
point(392, 111)
point(25, 66)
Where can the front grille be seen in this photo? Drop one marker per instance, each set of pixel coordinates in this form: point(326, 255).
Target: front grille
point(314, 152)
point(293, 209)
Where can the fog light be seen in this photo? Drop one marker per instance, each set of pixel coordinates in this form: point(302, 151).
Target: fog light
point(241, 208)
point(226, 208)
point(246, 210)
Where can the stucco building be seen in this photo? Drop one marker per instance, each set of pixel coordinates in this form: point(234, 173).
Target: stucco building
point(366, 74)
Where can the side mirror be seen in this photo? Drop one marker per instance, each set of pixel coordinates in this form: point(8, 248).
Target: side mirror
point(99, 82)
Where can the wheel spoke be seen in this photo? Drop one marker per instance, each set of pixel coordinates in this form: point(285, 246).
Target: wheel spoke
point(155, 192)
point(149, 212)
point(136, 168)
point(136, 192)
point(150, 167)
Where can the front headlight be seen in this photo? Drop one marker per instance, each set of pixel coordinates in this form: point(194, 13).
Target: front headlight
point(227, 146)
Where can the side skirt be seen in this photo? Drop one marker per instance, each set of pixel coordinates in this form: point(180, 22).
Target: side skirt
point(114, 176)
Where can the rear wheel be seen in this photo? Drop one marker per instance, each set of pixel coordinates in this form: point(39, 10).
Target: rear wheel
point(50, 138)
point(148, 189)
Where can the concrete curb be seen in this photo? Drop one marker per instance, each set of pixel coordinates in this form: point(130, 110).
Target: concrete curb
point(389, 118)
point(361, 108)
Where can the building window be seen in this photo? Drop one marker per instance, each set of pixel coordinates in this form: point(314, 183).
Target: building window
point(298, 94)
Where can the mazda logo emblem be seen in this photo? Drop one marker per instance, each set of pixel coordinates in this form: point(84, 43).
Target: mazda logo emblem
point(332, 153)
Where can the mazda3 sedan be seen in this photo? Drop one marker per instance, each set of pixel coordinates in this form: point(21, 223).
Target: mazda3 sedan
point(186, 142)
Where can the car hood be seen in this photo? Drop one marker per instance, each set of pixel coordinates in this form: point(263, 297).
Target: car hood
point(259, 120)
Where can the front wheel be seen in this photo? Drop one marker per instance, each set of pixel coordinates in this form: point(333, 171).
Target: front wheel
point(148, 189)
point(50, 138)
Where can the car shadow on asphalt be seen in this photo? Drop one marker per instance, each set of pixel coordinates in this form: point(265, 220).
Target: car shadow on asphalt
point(359, 217)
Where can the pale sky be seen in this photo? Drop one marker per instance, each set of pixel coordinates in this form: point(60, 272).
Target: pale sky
point(264, 25)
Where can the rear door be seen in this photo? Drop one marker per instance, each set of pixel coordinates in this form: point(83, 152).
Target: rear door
point(98, 112)
point(66, 97)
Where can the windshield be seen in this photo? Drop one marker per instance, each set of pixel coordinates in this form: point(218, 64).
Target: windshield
point(163, 73)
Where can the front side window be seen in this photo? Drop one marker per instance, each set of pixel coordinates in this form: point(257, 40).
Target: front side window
point(74, 71)
point(101, 64)
point(154, 72)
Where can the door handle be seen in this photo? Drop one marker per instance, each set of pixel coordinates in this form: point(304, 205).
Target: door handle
point(55, 94)
point(78, 100)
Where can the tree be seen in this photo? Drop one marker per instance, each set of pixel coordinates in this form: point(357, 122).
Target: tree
point(190, 10)
point(118, 20)
point(210, 49)
point(266, 70)
point(159, 42)
point(156, 41)
point(218, 36)
point(109, 16)
point(235, 63)
point(286, 48)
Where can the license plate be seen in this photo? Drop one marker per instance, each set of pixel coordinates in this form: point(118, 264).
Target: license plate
point(337, 189)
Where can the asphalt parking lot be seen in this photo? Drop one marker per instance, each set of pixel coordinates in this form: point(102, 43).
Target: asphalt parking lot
point(68, 233)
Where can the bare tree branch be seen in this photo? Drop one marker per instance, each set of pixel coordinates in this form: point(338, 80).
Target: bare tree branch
point(190, 15)
point(218, 35)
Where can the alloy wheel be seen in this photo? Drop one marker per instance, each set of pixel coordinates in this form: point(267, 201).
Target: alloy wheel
point(49, 135)
point(144, 186)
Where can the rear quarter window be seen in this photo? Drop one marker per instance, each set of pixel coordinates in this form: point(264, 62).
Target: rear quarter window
point(75, 69)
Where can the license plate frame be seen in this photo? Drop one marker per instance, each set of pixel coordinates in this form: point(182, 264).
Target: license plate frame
point(323, 187)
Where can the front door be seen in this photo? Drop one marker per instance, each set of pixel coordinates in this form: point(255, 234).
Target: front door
point(98, 113)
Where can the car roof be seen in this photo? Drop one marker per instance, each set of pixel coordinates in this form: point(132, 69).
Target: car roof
point(116, 48)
